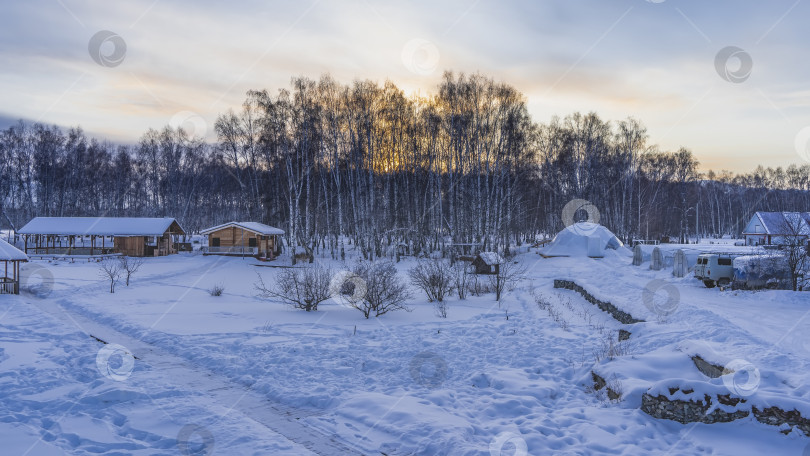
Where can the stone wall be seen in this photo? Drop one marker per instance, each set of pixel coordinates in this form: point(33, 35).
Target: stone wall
point(615, 312)
point(777, 417)
point(693, 411)
point(708, 369)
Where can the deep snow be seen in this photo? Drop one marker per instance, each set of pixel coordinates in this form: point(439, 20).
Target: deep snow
point(248, 376)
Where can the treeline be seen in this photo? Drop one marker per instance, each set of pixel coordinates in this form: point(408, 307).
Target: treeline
point(324, 160)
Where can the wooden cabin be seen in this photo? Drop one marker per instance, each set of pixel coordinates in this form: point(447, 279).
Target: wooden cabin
point(130, 236)
point(10, 257)
point(244, 239)
point(487, 263)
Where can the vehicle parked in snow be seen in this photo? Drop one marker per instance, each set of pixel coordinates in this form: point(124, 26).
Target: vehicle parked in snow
point(714, 269)
point(752, 272)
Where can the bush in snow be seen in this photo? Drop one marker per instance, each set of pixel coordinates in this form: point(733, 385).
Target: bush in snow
point(461, 279)
point(478, 286)
point(302, 288)
point(385, 292)
point(216, 290)
point(609, 347)
point(434, 277)
point(509, 274)
point(129, 266)
point(441, 309)
point(111, 270)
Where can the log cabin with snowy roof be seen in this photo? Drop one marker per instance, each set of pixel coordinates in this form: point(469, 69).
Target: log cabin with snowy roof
point(244, 239)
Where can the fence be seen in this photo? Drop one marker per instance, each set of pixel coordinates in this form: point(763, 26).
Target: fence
point(8, 286)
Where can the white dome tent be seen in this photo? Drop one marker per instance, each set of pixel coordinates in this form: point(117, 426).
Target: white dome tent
point(585, 239)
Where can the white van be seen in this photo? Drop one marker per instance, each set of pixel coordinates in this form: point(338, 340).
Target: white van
point(714, 269)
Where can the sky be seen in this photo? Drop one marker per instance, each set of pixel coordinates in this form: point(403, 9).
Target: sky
point(730, 80)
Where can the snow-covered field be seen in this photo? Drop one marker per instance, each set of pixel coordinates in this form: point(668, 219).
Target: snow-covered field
point(184, 372)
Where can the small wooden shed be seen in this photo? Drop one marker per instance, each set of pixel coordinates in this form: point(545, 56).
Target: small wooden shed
point(10, 257)
point(487, 263)
point(244, 239)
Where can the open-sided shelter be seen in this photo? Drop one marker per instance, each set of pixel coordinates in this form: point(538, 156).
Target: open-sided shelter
point(10, 257)
point(131, 236)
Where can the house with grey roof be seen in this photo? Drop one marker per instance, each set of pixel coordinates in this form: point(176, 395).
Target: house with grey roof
point(771, 228)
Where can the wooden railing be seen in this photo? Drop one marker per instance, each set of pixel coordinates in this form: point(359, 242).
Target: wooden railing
point(234, 250)
point(8, 286)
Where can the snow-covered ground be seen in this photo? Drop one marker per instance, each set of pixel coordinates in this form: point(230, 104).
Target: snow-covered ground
point(184, 371)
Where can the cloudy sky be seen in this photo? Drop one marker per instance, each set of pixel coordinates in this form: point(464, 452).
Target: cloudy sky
point(664, 62)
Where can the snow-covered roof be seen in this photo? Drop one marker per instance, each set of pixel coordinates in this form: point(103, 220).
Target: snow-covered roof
point(491, 258)
point(774, 222)
point(10, 253)
point(101, 226)
point(256, 227)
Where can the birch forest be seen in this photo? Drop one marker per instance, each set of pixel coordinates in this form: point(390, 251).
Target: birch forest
point(365, 163)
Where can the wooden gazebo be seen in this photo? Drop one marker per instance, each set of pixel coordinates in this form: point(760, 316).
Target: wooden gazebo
point(10, 257)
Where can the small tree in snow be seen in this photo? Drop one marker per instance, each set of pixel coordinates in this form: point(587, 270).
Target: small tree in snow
point(384, 292)
point(794, 244)
point(507, 276)
point(434, 277)
point(129, 266)
point(111, 270)
point(461, 278)
point(302, 288)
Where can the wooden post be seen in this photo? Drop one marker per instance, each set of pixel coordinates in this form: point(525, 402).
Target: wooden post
point(497, 282)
